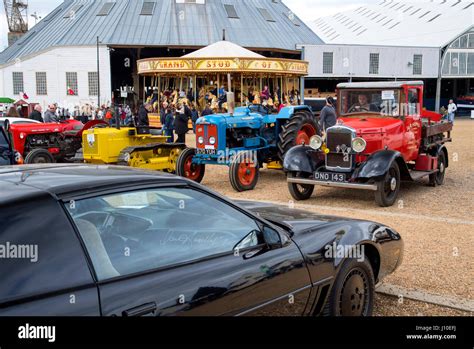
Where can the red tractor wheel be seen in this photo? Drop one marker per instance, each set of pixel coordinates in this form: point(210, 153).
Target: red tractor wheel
point(186, 168)
point(299, 130)
point(244, 173)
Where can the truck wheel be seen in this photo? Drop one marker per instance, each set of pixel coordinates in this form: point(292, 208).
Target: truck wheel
point(438, 177)
point(389, 187)
point(300, 192)
point(186, 168)
point(299, 130)
point(353, 291)
point(39, 156)
point(244, 173)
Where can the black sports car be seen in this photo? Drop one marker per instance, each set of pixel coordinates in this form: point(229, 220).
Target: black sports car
point(111, 241)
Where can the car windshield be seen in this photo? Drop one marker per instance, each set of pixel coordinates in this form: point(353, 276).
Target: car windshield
point(379, 102)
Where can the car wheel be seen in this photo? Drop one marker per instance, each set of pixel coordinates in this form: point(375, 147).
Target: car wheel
point(39, 156)
point(438, 177)
point(389, 187)
point(244, 172)
point(300, 192)
point(353, 291)
point(185, 167)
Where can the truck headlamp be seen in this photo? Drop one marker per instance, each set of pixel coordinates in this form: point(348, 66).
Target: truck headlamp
point(359, 145)
point(201, 140)
point(316, 142)
point(212, 141)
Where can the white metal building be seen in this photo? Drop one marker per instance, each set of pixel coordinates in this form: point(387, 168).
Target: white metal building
point(431, 40)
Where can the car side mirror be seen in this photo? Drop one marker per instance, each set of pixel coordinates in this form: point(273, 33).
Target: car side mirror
point(272, 238)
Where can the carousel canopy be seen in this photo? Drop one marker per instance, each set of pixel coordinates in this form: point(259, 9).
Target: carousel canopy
point(222, 57)
point(223, 49)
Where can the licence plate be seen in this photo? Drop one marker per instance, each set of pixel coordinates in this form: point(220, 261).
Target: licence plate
point(330, 177)
point(206, 152)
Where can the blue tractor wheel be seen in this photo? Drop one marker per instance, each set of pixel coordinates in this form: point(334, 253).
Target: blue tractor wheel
point(298, 131)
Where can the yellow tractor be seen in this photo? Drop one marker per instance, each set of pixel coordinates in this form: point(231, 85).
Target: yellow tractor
point(139, 147)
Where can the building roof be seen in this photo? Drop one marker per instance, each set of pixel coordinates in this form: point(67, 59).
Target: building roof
point(223, 49)
point(422, 23)
point(256, 24)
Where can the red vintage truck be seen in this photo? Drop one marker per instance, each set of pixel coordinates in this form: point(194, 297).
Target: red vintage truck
point(383, 137)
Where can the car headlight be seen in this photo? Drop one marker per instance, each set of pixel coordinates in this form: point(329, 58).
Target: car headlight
point(359, 145)
point(212, 140)
point(201, 140)
point(316, 142)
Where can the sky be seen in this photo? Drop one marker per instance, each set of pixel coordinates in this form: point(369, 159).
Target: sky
point(307, 10)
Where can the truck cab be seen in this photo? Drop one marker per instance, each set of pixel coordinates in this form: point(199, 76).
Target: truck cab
point(383, 136)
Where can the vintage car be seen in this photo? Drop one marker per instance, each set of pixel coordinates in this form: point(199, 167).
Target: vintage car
point(117, 241)
point(383, 136)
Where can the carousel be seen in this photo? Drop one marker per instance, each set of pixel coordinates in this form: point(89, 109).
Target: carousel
point(203, 79)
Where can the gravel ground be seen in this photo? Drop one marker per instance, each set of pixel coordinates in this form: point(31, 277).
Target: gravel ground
point(437, 224)
point(389, 306)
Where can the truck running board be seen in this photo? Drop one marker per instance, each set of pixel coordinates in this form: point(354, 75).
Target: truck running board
point(415, 175)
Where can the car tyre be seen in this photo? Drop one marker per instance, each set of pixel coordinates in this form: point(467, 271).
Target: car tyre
point(300, 192)
point(39, 156)
point(185, 168)
point(353, 291)
point(438, 177)
point(389, 187)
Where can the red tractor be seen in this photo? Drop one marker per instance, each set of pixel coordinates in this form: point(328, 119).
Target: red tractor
point(49, 143)
point(383, 136)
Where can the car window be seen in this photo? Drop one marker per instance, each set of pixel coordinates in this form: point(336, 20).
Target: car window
point(3, 139)
point(39, 251)
point(138, 231)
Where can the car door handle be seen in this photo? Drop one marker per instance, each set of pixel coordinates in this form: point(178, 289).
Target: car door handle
point(142, 310)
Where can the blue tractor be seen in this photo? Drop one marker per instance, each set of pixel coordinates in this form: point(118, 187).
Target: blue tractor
point(245, 141)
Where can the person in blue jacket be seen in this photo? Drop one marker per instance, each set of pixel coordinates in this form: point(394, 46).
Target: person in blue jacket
point(169, 126)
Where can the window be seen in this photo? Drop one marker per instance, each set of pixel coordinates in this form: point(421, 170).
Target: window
point(374, 63)
point(18, 83)
point(413, 101)
point(41, 84)
point(417, 64)
point(140, 231)
point(328, 62)
point(53, 258)
point(71, 84)
point(231, 12)
point(106, 8)
point(74, 10)
point(93, 84)
point(3, 141)
point(148, 8)
point(266, 14)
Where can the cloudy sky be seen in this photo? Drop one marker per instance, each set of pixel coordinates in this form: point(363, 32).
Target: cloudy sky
point(307, 10)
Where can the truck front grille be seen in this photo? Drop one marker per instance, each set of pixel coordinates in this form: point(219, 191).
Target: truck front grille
point(339, 143)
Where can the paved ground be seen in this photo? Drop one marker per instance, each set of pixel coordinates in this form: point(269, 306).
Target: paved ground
point(437, 224)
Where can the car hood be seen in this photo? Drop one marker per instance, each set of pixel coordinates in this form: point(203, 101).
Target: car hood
point(366, 124)
point(298, 220)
